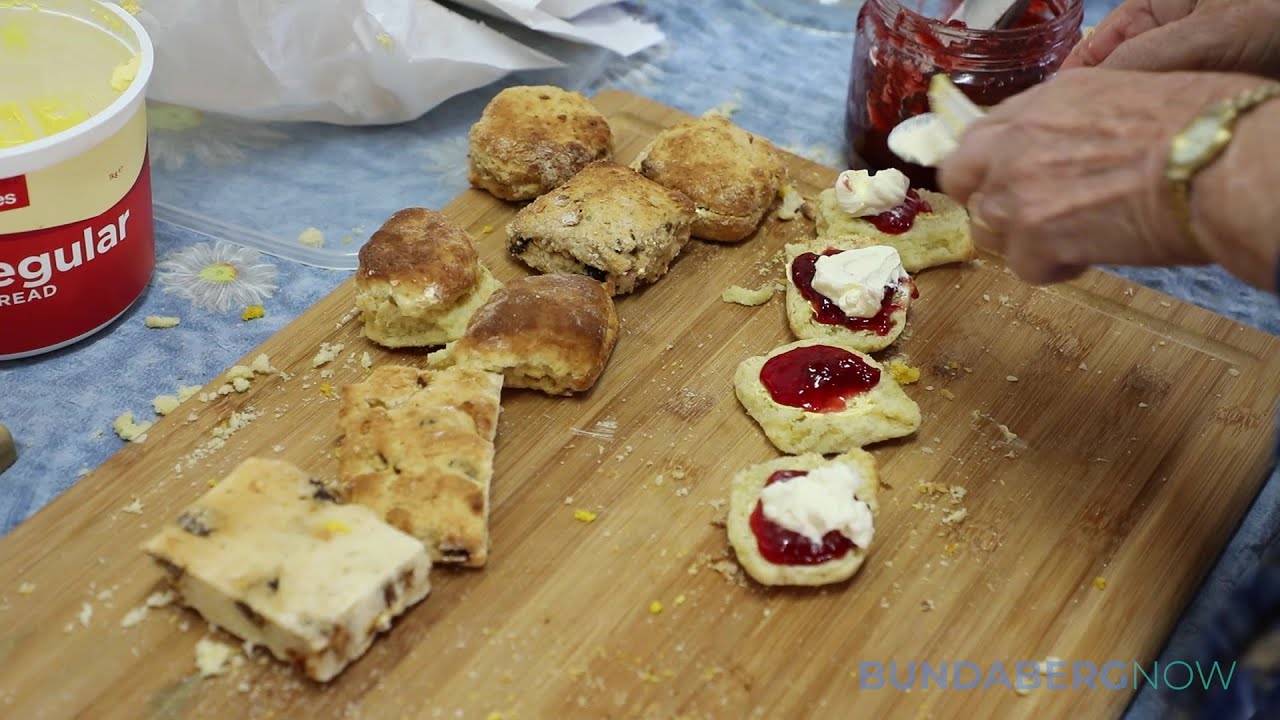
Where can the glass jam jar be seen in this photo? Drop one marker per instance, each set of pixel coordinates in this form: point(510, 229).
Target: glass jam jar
point(900, 44)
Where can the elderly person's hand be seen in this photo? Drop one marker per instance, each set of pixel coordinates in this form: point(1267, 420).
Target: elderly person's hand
point(1221, 35)
point(1071, 174)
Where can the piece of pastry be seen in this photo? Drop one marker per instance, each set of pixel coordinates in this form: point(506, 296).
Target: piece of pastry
point(419, 280)
point(270, 556)
point(552, 333)
point(804, 520)
point(417, 448)
point(814, 396)
point(731, 176)
point(608, 223)
point(927, 228)
point(532, 139)
point(855, 297)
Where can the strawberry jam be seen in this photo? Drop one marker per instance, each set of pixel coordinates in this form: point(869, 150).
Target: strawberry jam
point(805, 266)
point(781, 546)
point(817, 378)
point(902, 218)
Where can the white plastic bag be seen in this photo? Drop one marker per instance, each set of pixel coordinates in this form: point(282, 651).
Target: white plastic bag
point(355, 62)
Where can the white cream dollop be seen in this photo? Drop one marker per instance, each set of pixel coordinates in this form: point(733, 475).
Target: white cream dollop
point(860, 193)
point(855, 280)
point(819, 502)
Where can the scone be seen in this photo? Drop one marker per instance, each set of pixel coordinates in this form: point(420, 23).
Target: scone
point(816, 531)
point(419, 280)
point(939, 236)
point(814, 315)
point(269, 556)
point(530, 140)
point(417, 448)
point(731, 175)
point(813, 396)
point(608, 223)
point(552, 333)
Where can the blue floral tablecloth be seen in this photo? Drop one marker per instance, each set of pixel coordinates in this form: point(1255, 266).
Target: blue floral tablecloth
point(278, 181)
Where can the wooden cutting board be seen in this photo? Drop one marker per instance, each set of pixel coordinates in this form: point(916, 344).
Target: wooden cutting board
point(1142, 429)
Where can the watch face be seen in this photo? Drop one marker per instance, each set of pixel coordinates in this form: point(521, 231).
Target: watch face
point(1204, 135)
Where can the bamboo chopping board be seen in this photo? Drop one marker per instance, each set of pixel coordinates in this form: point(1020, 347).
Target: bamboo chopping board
point(1142, 433)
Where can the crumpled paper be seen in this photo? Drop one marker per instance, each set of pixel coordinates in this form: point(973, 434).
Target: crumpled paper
point(356, 62)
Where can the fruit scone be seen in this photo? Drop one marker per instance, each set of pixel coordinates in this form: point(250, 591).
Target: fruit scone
point(552, 333)
point(419, 280)
point(731, 175)
point(608, 223)
point(804, 520)
point(926, 228)
point(417, 448)
point(531, 139)
point(815, 396)
point(270, 556)
point(853, 296)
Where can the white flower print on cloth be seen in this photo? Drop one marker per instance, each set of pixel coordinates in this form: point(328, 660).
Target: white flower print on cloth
point(217, 276)
point(176, 134)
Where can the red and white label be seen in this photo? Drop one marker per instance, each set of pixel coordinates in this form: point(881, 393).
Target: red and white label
point(13, 193)
point(59, 283)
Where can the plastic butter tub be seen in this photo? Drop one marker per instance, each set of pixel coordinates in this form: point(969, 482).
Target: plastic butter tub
point(76, 237)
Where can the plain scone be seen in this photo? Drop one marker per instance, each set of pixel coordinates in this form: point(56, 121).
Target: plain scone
point(608, 223)
point(419, 281)
point(800, 312)
point(417, 448)
point(531, 139)
point(937, 238)
point(745, 494)
point(552, 333)
point(731, 176)
point(881, 413)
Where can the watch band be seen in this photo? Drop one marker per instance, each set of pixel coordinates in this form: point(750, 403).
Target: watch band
point(1201, 142)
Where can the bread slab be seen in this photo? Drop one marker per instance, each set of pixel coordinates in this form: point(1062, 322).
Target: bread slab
point(269, 556)
point(882, 413)
point(417, 448)
point(805, 326)
point(608, 223)
point(939, 237)
point(745, 495)
point(532, 139)
point(731, 175)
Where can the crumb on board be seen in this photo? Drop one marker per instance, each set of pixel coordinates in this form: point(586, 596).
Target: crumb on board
point(903, 372)
point(311, 237)
point(947, 394)
point(133, 508)
point(1233, 372)
point(253, 312)
point(212, 657)
point(680, 599)
point(326, 353)
point(955, 518)
point(161, 598)
point(655, 607)
point(128, 430)
point(584, 516)
point(792, 201)
point(1011, 378)
point(134, 616)
point(366, 361)
point(26, 588)
point(160, 322)
point(745, 296)
point(165, 404)
point(86, 614)
point(1100, 583)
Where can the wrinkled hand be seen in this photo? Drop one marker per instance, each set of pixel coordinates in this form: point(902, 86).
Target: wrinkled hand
point(1218, 35)
point(1071, 173)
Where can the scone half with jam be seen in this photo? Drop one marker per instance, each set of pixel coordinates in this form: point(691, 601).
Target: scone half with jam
point(926, 228)
point(816, 396)
point(856, 297)
point(804, 520)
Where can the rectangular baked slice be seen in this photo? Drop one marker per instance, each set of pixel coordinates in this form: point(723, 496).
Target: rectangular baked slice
point(417, 448)
point(270, 556)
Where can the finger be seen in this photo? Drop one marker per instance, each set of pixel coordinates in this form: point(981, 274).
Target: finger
point(1032, 265)
point(1128, 21)
point(988, 222)
point(966, 169)
point(1205, 41)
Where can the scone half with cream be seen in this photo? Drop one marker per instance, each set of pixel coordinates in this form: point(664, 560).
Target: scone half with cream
point(816, 396)
point(857, 297)
point(609, 223)
point(862, 209)
point(731, 175)
point(804, 520)
point(419, 280)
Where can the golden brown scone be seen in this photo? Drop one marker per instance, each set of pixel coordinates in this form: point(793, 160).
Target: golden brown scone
point(532, 139)
point(881, 413)
point(745, 497)
point(417, 448)
point(553, 333)
point(802, 317)
point(608, 223)
point(731, 175)
point(937, 238)
point(419, 280)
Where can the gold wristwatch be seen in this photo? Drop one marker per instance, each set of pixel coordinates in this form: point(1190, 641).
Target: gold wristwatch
point(1202, 141)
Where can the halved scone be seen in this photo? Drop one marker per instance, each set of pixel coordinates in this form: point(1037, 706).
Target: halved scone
point(940, 235)
point(815, 396)
point(804, 520)
point(813, 315)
